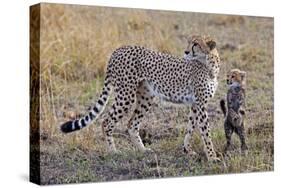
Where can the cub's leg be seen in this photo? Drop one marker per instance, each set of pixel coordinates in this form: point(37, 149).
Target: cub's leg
point(192, 122)
point(228, 129)
point(241, 133)
point(144, 101)
point(118, 109)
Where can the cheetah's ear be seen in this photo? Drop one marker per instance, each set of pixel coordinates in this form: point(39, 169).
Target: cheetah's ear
point(212, 44)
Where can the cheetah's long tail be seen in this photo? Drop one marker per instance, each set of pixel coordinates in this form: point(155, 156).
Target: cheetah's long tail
point(223, 106)
point(93, 113)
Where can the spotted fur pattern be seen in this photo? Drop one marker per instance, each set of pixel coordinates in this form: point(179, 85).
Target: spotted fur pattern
point(136, 75)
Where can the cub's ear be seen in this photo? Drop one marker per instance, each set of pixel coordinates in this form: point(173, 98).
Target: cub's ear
point(243, 74)
point(212, 44)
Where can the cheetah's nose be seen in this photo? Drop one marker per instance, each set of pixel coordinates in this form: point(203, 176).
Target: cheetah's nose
point(186, 52)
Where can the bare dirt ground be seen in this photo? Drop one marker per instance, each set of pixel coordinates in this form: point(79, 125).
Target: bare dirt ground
point(76, 43)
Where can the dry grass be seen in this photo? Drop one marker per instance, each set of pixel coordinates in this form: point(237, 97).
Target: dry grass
point(76, 43)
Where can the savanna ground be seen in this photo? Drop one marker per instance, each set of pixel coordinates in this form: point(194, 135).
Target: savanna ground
point(76, 43)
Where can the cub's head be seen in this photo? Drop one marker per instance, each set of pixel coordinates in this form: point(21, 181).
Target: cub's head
point(199, 47)
point(236, 77)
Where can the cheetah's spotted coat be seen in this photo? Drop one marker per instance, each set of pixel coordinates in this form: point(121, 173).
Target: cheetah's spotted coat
point(137, 75)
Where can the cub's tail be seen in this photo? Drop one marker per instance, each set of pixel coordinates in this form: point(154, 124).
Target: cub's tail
point(93, 113)
point(223, 106)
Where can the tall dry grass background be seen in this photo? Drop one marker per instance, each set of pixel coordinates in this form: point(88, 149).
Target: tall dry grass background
point(75, 45)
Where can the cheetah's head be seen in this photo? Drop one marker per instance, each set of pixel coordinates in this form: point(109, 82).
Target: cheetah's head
point(199, 47)
point(236, 77)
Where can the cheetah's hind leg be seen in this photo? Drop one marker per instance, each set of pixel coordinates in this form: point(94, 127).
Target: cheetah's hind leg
point(144, 101)
point(119, 108)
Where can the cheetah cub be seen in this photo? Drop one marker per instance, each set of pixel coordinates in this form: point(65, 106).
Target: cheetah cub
point(235, 113)
point(137, 75)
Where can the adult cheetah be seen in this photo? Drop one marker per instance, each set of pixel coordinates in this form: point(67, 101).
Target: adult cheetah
point(137, 74)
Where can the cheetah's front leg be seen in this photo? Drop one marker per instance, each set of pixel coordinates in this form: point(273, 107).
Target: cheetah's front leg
point(192, 122)
point(204, 128)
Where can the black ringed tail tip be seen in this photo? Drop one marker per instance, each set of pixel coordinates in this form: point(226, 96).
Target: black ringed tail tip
point(66, 127)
